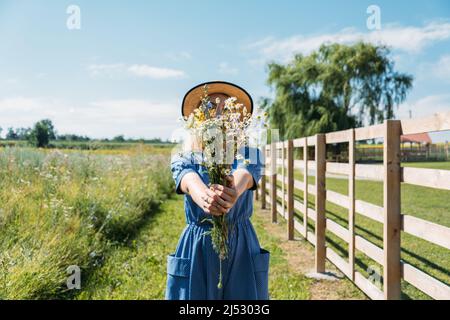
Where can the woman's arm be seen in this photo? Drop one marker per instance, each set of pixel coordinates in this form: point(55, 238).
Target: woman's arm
point(205, 198)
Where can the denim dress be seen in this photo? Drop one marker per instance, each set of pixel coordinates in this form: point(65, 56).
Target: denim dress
point(193, 270)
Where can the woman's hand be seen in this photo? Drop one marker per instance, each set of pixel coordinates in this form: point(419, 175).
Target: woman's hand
point(227, 195)
point(201, 194)
point(212, 203)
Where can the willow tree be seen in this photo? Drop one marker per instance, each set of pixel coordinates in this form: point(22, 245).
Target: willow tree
point(334, 88)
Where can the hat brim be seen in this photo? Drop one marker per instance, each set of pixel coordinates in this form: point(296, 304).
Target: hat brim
point(192, 99)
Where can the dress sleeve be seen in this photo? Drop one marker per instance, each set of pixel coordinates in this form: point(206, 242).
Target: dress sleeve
point(180, 166)
point(253, 162)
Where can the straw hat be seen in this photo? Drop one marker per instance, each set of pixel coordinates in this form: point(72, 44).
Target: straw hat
point(192, 99)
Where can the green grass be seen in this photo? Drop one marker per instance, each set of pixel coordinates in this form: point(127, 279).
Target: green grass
point(442, 165)
point(426, 203)
point(138, 270)
point(60, 209)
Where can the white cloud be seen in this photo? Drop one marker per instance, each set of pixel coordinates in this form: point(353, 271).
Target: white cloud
point(406, 39)
point(225, 68)
point(106, 118)
point(139, 70)
point(143, 70)
point(442, 68)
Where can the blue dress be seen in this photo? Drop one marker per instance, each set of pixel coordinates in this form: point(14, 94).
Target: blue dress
point(193, 270)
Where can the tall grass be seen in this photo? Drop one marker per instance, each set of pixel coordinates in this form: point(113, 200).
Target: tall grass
point(60, 209)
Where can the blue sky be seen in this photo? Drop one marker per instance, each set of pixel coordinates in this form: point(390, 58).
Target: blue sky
point(126, 70)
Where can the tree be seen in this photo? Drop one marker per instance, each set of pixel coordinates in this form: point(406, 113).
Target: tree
point(22, 133)
point(50, 128)
point(334, 88)
point(40, 134)
point(11, 134)
point(119, 138)
point(1, 129)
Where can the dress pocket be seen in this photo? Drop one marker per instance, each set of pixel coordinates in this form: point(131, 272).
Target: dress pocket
point(178, 272)
point(261, 269)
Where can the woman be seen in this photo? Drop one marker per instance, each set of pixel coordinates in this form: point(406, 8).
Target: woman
point(192, 271)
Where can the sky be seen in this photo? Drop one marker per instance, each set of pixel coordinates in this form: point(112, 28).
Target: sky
point(124, 67)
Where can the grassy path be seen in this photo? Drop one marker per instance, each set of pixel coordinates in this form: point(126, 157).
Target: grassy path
point(138, 270)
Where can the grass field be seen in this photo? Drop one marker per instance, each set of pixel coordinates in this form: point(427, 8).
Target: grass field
point(60, 209)
point(426, 203)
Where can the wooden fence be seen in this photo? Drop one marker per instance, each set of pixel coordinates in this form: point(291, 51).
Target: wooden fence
point(389, 215)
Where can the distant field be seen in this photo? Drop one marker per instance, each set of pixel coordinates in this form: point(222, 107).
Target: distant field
point(87, 145)
point(443, 165)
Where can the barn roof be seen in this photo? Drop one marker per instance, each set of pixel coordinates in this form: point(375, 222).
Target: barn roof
point(418, 138)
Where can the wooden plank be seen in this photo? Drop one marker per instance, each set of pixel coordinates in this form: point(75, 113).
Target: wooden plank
point(392, 215)
point(426, 283)
point(369, 171)
point(372, 291)
point(368, 248)
point(311, 141)
point(300, 164)
point(372, 132)
point(337, 136)
point(436, 122)
point(299, 227)
point(320, 250)
point(311, 238)
point(432, 178)
point(301, 207)
point(351, 203)
point(305, 187)
point(427, 230)
point(300, 142)
point(369, 210)
point(336, 167)
point(273, 182)
point(338, 230)
point(338, 261)
point(337, 198)
point(290, 189)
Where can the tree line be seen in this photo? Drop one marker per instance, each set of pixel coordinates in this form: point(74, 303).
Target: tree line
point(43, 132)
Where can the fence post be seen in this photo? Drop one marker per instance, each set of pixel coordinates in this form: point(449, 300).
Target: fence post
point(290, 189)
point(392, 217)
point(351, 204)
point(273, 181)
point(320, 254)
point(305, 188)
point(263, 181)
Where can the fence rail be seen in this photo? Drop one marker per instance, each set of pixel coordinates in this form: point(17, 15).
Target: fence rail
point(279, 155)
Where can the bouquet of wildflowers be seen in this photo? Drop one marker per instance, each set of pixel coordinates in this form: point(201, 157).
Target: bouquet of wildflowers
point(220, 133)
